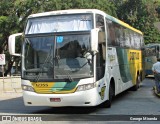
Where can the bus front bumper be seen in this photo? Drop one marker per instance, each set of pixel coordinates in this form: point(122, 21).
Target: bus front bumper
point(82, 98)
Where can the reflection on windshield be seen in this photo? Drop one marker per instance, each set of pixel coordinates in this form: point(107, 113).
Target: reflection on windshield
point(39, 56)
point(70, 54)
point(57, 57)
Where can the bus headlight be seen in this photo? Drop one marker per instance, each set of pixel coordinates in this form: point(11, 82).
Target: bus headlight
point(27, 88)
point(86, 87)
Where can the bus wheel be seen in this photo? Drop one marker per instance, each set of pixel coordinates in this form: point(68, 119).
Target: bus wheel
point(138, 80)
point(107, 103)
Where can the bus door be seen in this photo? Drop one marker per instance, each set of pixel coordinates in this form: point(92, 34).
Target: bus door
point(101, 55)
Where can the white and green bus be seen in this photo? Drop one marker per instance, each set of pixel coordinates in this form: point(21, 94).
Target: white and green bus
point(152, 52)
point(80, 57)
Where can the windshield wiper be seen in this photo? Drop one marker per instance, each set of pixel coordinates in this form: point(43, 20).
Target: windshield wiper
point(65, 73)
point(49, 55)
point(69, 77)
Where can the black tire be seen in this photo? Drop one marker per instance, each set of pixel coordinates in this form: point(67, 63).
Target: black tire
point(107, 103)
point(138, 81)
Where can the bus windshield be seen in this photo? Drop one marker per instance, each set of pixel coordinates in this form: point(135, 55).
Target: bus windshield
point(70, 56)
point(57, 57)
point(59, 23)
point(151, 55)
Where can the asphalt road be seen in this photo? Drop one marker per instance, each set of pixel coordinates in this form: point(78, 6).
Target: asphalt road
point(128, 104)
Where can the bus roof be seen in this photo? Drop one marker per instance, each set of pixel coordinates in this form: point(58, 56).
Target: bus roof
point(76, 11)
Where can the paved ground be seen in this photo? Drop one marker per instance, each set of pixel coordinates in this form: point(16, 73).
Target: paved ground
point(10, 87)
point(141, 102)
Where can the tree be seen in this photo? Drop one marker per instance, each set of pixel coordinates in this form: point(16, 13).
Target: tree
point(8, 24)
point(142, 15)
point(14, 13)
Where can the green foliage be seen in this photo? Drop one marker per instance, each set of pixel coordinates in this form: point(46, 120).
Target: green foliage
point(141, 14)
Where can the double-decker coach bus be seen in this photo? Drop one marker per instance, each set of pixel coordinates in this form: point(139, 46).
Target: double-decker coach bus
point(78, 57)
point(151, 54)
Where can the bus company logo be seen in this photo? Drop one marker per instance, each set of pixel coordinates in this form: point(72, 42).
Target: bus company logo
point(6, 118)
point(102, 92)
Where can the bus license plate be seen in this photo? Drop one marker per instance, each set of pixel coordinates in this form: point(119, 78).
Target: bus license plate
point(55, 100)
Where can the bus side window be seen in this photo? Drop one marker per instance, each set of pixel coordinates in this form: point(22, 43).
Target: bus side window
point(157, 52)
point(111, 38)
point(100, 59)
point(100, 22)
point(157, 48)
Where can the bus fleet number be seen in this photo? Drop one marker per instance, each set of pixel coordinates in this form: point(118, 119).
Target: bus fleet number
point(41, 85)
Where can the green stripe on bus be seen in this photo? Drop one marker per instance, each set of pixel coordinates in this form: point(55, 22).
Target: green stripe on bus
point(63, 86)
point(123, 64)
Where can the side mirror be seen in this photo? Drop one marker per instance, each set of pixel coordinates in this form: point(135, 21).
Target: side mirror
point(94, 40)
point(12, 45)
